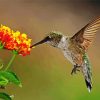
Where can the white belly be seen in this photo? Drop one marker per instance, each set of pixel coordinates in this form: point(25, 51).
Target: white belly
point(63, 45)
point(69, 56)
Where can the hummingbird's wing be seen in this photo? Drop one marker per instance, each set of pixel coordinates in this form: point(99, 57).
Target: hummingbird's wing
point(86, 70)
point(85, 36)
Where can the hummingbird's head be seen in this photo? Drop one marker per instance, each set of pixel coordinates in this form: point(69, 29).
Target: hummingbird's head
point(53, 38)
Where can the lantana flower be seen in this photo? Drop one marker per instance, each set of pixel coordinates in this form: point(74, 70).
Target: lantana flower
point(14, 40)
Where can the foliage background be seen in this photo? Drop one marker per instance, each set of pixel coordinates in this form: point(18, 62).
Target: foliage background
point(45, 74)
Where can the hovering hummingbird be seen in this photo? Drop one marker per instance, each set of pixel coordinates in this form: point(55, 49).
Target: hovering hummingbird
point(75, 48)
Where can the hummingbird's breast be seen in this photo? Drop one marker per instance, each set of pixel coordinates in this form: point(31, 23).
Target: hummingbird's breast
point(68, 53)
point(69, 56)
point(64, 46)
point(76, 53)
point(71, 51)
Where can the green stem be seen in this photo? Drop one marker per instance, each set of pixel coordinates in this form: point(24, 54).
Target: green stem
point(10, 62)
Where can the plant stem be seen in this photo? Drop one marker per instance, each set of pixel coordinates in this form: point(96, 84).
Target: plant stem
point(10, 62)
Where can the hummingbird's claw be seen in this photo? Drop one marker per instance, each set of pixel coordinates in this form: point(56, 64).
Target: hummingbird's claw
point(75, 69)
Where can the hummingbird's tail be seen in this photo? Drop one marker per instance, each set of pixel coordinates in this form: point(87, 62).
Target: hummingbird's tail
point(86, 69)
point(89, 85)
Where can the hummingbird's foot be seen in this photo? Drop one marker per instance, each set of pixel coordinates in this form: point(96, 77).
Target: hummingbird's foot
point(75, 69)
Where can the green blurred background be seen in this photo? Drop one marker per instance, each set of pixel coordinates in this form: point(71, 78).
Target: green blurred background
point(45, 73)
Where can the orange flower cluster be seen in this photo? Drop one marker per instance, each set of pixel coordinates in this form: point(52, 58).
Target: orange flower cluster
point(14, 41)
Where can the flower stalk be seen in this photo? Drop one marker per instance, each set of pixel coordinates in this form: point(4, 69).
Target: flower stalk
point(10, 62)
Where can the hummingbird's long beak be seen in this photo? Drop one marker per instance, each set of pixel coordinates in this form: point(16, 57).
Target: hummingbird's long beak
point(41, 42)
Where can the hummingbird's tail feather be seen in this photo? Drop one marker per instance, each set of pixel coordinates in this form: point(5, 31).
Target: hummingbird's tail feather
point(89, 85)
point(86, 69)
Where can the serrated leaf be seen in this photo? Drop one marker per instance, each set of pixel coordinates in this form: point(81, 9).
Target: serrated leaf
point(11, 77)
point(4, 96)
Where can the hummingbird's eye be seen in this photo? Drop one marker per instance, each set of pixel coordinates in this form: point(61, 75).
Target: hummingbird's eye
point(48, 38)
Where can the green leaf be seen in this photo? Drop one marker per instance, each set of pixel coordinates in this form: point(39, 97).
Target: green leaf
point(4, 96)
point(3, 81)
point(8, 76)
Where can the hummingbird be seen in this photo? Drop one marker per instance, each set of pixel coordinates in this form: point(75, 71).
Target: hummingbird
point(75, 48)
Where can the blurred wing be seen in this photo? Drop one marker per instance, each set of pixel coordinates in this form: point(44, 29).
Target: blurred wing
point(85, 36)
